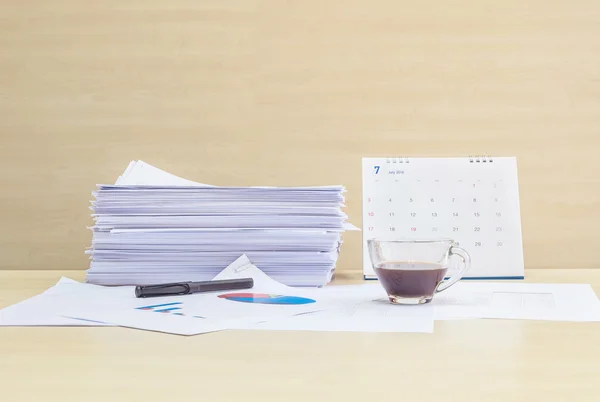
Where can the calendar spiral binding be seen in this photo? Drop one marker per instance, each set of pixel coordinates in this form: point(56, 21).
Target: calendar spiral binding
point(472, 159)
point(481, 159)
point(402, 159)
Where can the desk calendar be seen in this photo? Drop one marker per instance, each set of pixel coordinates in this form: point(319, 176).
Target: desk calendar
point(474, 201)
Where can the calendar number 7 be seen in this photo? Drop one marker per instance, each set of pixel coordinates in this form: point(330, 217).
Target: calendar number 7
point(376, 169)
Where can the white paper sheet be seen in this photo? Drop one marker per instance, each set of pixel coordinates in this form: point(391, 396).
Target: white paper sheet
point(142, 173)
point(243, 268)
point(521, 301)
point(356, 308)
point(43, 309)
point(365, 307)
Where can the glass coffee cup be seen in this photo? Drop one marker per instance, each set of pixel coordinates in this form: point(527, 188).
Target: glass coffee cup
point(412, 271)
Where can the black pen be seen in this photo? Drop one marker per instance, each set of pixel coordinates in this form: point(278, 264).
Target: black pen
point(186, 288)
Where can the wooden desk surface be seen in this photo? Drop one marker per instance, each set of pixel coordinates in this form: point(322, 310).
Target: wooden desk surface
point(477, 360)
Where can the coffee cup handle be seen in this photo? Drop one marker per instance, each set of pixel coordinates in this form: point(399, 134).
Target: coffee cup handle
point(466, 262)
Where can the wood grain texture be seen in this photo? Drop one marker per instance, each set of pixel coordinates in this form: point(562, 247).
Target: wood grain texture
point(294, 93)
point(471, 360)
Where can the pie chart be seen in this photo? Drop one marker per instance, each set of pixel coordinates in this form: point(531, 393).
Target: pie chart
point(264, 298)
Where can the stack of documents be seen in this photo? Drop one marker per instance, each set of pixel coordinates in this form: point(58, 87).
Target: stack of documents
point(152, 227)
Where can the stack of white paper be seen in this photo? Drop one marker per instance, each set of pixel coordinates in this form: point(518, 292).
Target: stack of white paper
point(153, 227)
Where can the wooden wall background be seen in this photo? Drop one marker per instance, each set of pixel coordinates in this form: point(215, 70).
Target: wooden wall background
point(294, 93)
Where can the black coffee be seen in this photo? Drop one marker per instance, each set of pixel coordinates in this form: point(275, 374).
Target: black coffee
point(410, 279)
